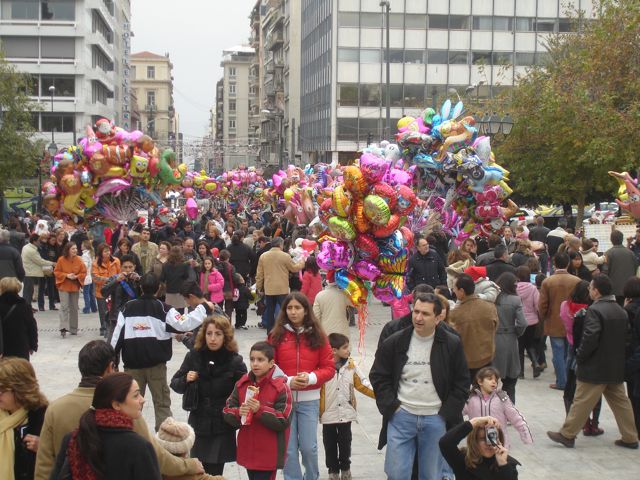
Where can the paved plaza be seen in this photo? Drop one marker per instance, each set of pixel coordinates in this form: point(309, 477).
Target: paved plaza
point(592, 459)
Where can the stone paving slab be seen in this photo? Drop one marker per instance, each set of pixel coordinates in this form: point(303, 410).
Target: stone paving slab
point(592, 459)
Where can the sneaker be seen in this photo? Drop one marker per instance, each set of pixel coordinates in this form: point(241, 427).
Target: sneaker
point(345, 475)
point(559, 438)
point(244, 327)
point(632, 445)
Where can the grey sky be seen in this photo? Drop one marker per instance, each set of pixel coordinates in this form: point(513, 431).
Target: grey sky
point(194, 32)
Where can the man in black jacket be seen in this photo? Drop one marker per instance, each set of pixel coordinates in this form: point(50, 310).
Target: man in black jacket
point(403, 322)
point(601, 361)
point(500, 264)
point(10, 259)
point(425, 266)
point(121, 288)
point(420, 379)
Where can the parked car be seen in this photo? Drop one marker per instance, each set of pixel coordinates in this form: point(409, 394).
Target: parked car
point(524, 215)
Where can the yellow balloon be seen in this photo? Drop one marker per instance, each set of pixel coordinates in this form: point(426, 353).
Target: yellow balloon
point(405, 121)
point(210, 187)
point(115, 172)
point(288, 194)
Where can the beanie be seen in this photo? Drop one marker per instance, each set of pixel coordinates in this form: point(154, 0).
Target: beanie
point(476, 272)
point(175, 437)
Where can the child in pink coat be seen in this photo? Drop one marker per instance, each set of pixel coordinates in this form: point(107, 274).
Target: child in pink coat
point(311, 279)
point(486, 400)
point(212, 281)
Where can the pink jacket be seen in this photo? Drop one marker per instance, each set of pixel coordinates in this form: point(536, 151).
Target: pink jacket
point(311, 285)
point(216, 282)
point(529, 295)
point(568, 309)
point(499, 406)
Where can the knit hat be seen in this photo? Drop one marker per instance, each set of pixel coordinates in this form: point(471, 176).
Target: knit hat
point(476, 272)
point(175, 437)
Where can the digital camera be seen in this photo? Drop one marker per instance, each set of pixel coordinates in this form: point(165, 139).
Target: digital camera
point(491, 435)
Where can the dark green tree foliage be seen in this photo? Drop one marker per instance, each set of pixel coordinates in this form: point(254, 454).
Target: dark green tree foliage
point(19, 154)
point(578, 116)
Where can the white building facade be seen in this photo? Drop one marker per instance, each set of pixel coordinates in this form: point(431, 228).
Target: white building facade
point(77, 46)
point(476, 47)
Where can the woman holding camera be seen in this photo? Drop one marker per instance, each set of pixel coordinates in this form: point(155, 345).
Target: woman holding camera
point(484, 457)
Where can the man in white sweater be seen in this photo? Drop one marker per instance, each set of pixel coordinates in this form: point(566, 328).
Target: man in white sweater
point(420, 379)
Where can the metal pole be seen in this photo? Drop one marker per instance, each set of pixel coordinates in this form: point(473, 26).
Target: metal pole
point(52, 89)
point(388, 126)
point(280, 161)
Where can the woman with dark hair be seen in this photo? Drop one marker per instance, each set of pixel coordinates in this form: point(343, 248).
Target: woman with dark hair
point(227, 270)
point(530, 297)
point(124, 248)
point(175, 272)
point(511, 324)
point(22, 409)
point(305, 356)
point(48, 251)
point(242, 257)
point(104, 446)
point(572, 313)
point(311, 279)
point(69, 273)
point(164, 247)
point(485, 455)
point(576, 266)
point(105, 266)
point(213, 368)
point(19, 328)
point(631, 294)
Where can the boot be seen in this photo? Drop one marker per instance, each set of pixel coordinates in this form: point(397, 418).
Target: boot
point(537, 369)
point(591, 429)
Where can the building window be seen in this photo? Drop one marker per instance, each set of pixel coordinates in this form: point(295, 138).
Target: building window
point(59, 10)
point(458, 58)
point(502, 58)
point(503, 24)
point(253, 90)
point(348, 19)
point(99, 93)
point(232, 71)
point(396, 20)
point(232, 106)
point(439, 21)
point(232, 124)
point(347, 129)
point(395, 56)
point(99, 25)
point(414, 96)
point(524, 59)
point(459, 22)
point(482, 22)
point(395, 94)
point(151, 73)
point(525, 24)
point(545, 24)
point(65, 86)
point(348, 95)
point(413, 56)
point(369, 56)
point(20, 9)
point(348, 55)
point(567, 25)
point(437, 57)
point(416, 20)
point(481, 58)
point(371, 20)
point(20, 47)
point(99, 59)
point(151, 97)
point(232, 89)
point(58, 47)
point(370, 95)
point(57, 122)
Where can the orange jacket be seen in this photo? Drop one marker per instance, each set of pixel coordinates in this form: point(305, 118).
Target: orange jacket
point(101, 273)
point(64, 266)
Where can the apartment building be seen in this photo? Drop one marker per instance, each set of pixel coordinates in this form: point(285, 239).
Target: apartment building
point(76, 53)
point(152, 82)
point(438, 49)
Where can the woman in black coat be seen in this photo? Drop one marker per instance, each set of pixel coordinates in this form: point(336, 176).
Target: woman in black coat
point(175, 272)
point(213, 368)
point(19, 328)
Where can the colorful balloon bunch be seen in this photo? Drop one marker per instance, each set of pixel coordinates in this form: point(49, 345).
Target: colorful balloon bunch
point(294, 191)
point(367, 248)
point(458, 171)
point(628, 193)
point(107, 163)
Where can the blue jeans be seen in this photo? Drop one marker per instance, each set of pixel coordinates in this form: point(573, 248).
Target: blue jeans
point(407, 432)
point(303, 439)
point(559, 349)
point(89, 299)
point(272, 308)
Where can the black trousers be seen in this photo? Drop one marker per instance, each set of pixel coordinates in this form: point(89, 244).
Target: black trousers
point(509, 387)
point(213, 468)
point(241, 317)
point(336, 438)
point(261, 474)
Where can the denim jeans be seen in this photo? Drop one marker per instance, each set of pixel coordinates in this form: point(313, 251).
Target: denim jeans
point(272, 308)
point(89, 299)
point(303, 439)
point(407, 432)
point(559, 349)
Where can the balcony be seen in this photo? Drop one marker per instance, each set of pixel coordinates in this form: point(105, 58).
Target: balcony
point(274, 40)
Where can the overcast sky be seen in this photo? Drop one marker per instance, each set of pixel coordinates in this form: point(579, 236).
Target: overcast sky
point(194, 32)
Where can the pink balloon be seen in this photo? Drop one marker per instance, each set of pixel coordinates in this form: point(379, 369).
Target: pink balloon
point(373, 168)
point(334, 255)
point(191, 207)
point(366, 270)
point(112, 185)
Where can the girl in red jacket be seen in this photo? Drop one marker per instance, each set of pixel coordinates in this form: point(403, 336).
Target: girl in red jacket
point(311, 279)
point(303, 352)
point(262, 417)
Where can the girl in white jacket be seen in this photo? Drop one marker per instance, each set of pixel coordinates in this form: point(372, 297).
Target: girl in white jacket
point(338, 408)
point(88, 292)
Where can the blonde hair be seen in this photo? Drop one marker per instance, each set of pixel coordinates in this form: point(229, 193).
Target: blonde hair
point(87, 245)
point(10, 284)
point(223, 324)
point(17, 375)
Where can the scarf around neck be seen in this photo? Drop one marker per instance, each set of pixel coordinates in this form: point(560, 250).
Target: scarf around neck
point(105, 418)
point(9, 421)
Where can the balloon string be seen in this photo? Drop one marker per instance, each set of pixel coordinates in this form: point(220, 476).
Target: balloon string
point(363, 316)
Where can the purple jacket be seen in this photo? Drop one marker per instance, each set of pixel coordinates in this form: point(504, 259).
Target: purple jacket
point(529, 295)
point(499, 406)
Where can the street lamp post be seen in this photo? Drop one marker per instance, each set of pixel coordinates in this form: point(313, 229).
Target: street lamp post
point(280, 117)
point(52, 145)
point(386, 5)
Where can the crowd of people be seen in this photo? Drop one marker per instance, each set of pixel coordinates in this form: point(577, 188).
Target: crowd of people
point(454, 348)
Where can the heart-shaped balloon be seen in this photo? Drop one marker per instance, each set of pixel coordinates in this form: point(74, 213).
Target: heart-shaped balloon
point(373, 167)
point(366, 270)
point(376, 210)
point(366, 247)
point(342, 229)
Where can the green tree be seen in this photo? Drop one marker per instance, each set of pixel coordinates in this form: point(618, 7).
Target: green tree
point(19, 154)
point(578, 116)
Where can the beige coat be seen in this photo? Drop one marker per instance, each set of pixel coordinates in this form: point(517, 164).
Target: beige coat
point(476, 321)
point(33, 262)
point(330, 308)
point(555, 290)
point(147, 263)
point(274, 267)
point(63, 416)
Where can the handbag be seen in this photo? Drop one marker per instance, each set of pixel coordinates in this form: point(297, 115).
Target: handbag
point(190, 397)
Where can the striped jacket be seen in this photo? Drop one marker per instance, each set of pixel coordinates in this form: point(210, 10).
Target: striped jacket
point(262, 443)
point(337, 396)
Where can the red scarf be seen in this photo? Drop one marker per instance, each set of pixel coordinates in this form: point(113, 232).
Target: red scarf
point(105, 418)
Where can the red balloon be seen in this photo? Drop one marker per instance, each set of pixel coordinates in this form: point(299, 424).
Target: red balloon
point(309, 245)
